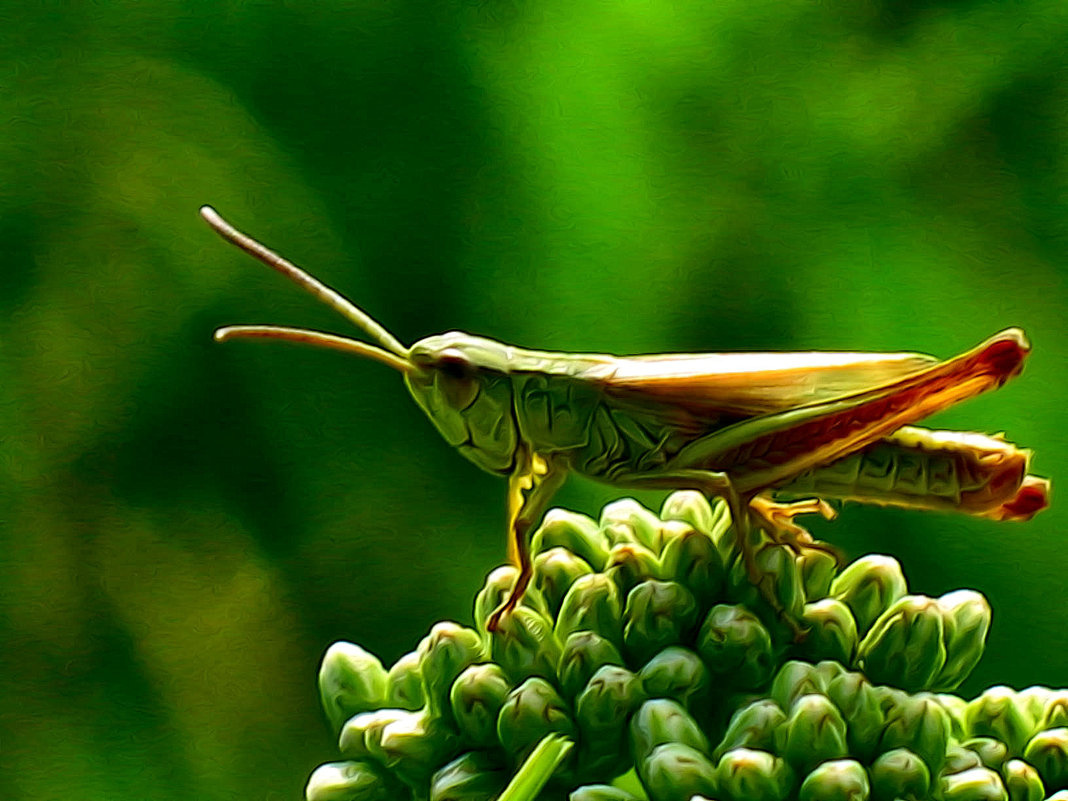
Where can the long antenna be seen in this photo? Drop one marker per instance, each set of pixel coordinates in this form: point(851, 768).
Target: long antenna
point(320, 290)
point(306, 336)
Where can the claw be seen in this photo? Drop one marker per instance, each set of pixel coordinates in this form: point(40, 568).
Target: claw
point(777, 520)
point(494, 621)
point(764, 583)
point(508, 605)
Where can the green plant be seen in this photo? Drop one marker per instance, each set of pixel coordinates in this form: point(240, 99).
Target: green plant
point(643, 664)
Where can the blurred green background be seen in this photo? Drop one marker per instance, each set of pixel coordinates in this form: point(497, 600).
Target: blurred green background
point(186, 526)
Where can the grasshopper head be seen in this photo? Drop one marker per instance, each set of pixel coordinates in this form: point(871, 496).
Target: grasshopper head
point(461, 382)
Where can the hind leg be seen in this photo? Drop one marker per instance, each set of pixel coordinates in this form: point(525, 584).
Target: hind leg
point(777, 519)
point(748, 513)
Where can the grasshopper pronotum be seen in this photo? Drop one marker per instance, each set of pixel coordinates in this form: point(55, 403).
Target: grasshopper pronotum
point(735, 425)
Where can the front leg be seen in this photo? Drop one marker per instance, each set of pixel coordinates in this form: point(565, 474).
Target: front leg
point(531, 485)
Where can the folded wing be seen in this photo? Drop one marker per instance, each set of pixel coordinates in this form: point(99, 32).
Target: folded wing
point(739, 385)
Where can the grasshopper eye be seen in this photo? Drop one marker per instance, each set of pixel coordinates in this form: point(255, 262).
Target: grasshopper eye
point(458, 380)
point(455, 365)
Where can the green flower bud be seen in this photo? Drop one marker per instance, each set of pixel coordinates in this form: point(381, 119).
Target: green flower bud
point(676, 673)
point(360, 729)
point(601, 713)
point(629, 564)
point(770, 559)
point(351, 781)
point(960, 759)
point(729, 552)
point(828, 670)
point(498, 586)
point(691, 558)
point(778, 563)
point(748, 775)
point(677, 772)
point(533, 710)
point(1054, 714)
point(663, 721)
point(626, 520)
point(992, 753)
point(905, 646)
point(818, 569)
point(868, 587)
point(601, 792)
point(474, 776)
point(443, 654)
point(413, 746)
point(555, 570)
point(476, 699)
point(592, 603)
point(832, 632)
point(658, 614)
point(793, 680)
point(753, 726)
point(967, 621)
point(1033, 701)
point(351, 681)
point(404, 685)
point(1048, 752)
point(862, 712)
point(692, 507)
point(577, 533)
point(890, 697)
point(607, 702)
point(584, 653)
point(956, 707)
point(900, 774)
point(838, 780)
point(997, 714)
point(524, 645)
point(1022, 781)
point(736, 646)
point(977, 784)
point(919, 723)
point(814, 732)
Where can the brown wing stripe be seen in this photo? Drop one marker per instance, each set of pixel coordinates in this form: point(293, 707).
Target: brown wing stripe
point(889, 408)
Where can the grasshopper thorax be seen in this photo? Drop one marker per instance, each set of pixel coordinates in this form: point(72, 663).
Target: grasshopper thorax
point(462, 383)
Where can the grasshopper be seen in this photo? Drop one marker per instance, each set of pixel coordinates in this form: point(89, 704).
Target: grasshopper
point(740, 426)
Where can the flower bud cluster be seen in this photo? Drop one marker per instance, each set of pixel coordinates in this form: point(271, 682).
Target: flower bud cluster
point(643, 641)
point(822, 732)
